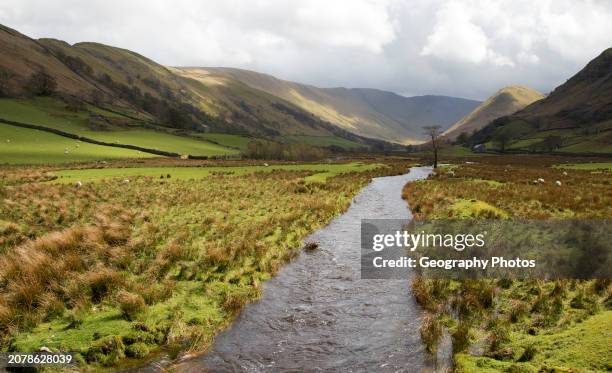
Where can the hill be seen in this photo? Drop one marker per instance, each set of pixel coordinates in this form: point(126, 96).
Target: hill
point(575, 118)
point(504, 102)
point(148, 94)
point(367, 112)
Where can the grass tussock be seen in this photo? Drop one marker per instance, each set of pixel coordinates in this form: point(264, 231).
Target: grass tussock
point(512, 325)
point(86, 268)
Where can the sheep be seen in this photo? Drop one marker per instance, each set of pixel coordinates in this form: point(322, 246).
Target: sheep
point(558, 183)
point(540, 180)
point(78, 184)
point(564, 173)
point(451, 173)
point(126, 181)
point(265, 164)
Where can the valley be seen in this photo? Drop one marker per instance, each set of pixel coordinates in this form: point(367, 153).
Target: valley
point(196, 218)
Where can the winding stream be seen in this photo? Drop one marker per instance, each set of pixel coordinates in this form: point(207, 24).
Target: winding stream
point(318, 315)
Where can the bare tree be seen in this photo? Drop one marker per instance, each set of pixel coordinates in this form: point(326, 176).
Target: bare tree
point(434, 133)
point(502, 139)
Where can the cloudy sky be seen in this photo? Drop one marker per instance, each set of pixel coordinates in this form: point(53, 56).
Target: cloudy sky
point(466, 48)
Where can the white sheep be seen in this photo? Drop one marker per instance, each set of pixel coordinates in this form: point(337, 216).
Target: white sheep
point(558, 183)
point(78, 184)
point(564, 173)
point(540, 180)
point(265, 164)
point(126, 181)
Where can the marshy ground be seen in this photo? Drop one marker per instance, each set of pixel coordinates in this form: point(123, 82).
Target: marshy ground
point(518, 326)
point(129, 261)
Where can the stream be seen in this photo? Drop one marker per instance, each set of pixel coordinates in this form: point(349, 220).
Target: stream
point(318, 315)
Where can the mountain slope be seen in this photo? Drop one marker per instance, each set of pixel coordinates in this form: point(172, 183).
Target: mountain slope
point(149, 93)
point(368, 112)
point(575, 118)
point(506, 101)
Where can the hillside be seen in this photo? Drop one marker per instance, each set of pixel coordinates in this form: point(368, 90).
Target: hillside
point(368, 112)
point(506, 101)
point(147, 93)
point(575, 118)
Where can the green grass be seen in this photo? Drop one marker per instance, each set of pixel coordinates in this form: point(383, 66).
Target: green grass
point(321, 171)
point(466, 209)
point(196, 251)
point(28, 146)
point(583, 347)
point(231, 141)
point(586, 166)
point(324, 141)
point(51, 113)
point(106, 321)
point(457, 151)
point(588, 146)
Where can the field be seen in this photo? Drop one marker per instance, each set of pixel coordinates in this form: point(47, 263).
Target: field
point(320, 172)
point(517, 326)
point(324, 141)
point(573, 140)
point(587, 166)
point(117, 270)
point(28, 146)
point(227, 140)
point(115, 128)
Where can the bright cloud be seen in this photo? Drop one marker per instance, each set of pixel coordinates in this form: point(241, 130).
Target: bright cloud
point(466, 48)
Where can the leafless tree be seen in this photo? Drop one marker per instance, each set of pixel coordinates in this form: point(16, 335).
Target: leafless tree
point(502, 139)
point(434, 133)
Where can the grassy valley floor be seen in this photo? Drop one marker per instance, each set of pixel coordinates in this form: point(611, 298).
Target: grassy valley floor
point(28, 146)
point(117, 270)
point(518, 326)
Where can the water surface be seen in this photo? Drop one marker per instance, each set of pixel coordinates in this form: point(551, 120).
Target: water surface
point(318, 315)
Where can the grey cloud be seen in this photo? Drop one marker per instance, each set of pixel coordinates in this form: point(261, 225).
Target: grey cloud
point(467, 48)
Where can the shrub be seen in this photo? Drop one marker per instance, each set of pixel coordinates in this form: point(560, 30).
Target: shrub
point(41, 84)
point(131, 304)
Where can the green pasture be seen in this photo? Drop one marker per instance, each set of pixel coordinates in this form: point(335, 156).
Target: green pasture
point(320, 171)
point(28, 146)
point(323, 141)
point(51, 113)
